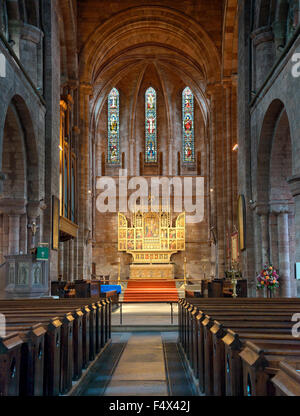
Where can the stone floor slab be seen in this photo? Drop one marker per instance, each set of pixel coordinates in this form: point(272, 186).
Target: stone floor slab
point(136, 388)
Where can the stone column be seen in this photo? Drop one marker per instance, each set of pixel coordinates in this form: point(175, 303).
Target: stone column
point(84, 209)
point(14, 234)
point(170, 160)
point(61, 260)
point(273, 228)
point(71, 260)
point(131, 159)
point(66, 261)
point(263, 53)
point(263, 213)
point(294, 183)
point(23, 234)
point(284, 253)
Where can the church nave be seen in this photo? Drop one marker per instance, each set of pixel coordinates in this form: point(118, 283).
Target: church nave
point(141, 364)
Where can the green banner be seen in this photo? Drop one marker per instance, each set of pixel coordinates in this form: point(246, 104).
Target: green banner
point(42, 253)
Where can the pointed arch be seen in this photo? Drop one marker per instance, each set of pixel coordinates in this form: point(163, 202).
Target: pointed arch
point(150, 126)
point(113, 145)
point(188, 142)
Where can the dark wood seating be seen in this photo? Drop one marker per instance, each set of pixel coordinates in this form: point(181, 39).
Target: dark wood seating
point(32, 358)
point(75, 330)
point(213, 349)
point(10, 364)
point(52, 351)
point(287, 380)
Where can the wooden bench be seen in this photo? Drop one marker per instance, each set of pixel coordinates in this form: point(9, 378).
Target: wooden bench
point(32, 358)
point(200, 350)
point(85, 328)
point(10, 364)
point(287, 380)
point(52, 350)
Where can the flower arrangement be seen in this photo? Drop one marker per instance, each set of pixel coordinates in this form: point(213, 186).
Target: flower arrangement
point(268, 278)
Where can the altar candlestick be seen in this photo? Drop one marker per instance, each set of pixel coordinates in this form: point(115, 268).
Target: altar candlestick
point(119, 270)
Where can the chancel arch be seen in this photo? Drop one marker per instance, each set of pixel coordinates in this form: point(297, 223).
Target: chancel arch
point(275, 203)
point(20, 202)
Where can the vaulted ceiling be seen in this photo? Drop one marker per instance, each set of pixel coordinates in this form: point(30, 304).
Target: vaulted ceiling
point(184, 42)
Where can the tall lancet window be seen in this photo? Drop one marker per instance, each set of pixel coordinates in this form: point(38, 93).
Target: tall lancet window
point(150, 126)
point(113, 127)
point(188, 125)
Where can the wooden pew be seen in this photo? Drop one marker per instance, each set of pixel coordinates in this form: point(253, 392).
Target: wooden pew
point(10, 364)
point(32, 358)
point(287, 380)
point(217, 336)
point(71, 354)
point(66, 351)
point(90, 328)
point(52, 352)
point(260, 363)
point(214, 355)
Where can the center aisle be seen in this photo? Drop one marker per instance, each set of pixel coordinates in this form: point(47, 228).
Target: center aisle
point(141, 369)
point(139, 364)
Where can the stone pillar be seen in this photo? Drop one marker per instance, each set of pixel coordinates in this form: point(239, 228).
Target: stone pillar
point(294, 183)
point(5, 229)
point(280, 25)
point(131, 159)
point(14, 25)
point(30, 39)
point(263, 213)
point(263, 54)
point(170, 160)
point(71, 260)
point(84, 210)
point(273, 228)
point(284, 253)
point(23, 234)
point(61, 260)
point(14, 234)
point(66, 261)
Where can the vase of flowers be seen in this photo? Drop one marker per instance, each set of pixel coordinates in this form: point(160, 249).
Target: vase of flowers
point(268, 278)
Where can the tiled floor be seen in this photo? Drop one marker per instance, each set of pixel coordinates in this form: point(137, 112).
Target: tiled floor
point(143, 363)
point(139, 364)
point(141, 369)
point(146, 314)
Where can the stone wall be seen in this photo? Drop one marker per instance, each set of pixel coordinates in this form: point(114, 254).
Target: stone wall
point(269, 147)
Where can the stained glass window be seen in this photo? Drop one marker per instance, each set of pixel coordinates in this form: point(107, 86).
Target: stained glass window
point(113, 127)
point(150, 126)
point(188, 125)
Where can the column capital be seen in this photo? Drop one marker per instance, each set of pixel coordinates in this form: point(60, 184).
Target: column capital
point(212, 89)
point(12, 206)
point(86, 88)
point(34, 208)
point(294, 183)
point(278, 209)
point(261, 208)
point(263, 34)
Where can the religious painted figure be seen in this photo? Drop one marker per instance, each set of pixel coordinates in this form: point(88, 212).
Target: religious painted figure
point(150, 126)
point(188, 125)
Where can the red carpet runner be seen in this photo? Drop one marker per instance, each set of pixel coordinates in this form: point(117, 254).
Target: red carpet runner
point(151, 291)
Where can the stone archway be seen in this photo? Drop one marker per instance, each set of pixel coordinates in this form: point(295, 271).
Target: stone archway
point(275, 203)
point(20, 194)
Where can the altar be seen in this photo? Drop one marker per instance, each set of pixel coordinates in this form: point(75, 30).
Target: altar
point(151, 239)
point(152, 271)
